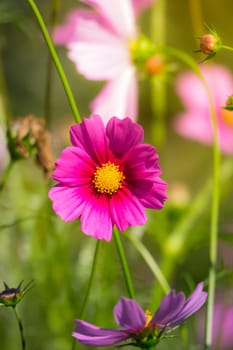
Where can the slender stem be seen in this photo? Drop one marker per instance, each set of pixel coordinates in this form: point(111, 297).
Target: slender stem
point(124, 264)
point(56, 60)
point(6, 175)
point(23, 341)
point(48, 83)
point(89, 287)
point(152, 264)
point(91, 279)
point(158, 88)
point(215, 197)
point(196, 16)
point(227, 47)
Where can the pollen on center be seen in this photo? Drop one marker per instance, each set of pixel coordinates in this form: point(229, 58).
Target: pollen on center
point(108, 178)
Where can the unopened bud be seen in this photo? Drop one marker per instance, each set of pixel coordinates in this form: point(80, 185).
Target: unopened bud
point(229, 103)
point(208, 44)
point(154, 65)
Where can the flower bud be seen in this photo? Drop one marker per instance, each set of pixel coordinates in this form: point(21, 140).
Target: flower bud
point(208, 44)
point(154, 65)
point(229, 103)
point(12, 296)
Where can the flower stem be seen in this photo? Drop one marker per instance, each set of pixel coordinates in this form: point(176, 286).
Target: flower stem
point(124, 264)
point(150, 262)
point(215, 196)
point(227, 47)
point(49, 73)
point(56, 60)
point(6, 175)
point(23, 341)
point(91, 279)
point(89, 287)
point(158, 88)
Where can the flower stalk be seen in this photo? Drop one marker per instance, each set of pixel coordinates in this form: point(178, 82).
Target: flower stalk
point(20, 324)
point(56, 60)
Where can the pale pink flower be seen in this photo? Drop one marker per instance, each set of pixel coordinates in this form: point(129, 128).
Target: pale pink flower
point(195, 121)
point(98, 42)
point(107, 177)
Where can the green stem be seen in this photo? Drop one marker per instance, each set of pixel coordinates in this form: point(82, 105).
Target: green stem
point(23, 341)
point(227, 47)
point(91, 279)
point(48, 83)
point(158, 88)
point(89, 287)
point(150, 262)
point(6, 175)
point(196, 16)
point(215, 197)
point(56, 60)
point(124, 264)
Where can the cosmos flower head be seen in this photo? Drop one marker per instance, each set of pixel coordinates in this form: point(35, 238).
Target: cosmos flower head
point(140, 327)
point(195, 121)
point(105, 45)
point(107, 177)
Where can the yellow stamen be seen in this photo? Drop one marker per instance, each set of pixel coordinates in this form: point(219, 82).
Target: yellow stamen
point(227, 116)
point(108, 178)
point(148, 318)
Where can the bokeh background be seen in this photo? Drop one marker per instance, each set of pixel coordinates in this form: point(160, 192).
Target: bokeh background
point(36, 245)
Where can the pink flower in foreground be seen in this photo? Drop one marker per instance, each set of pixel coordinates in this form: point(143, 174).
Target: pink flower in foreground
point(195, 122)
point(108, 177)
point(100, 43)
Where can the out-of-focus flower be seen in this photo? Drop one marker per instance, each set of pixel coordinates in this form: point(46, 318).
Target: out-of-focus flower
point(142, 328)
point(195, 121)
point(4, 154)
point(222, 327)
point(12, 296)
point(27, 136)
point(108, 177)
point(105, 45)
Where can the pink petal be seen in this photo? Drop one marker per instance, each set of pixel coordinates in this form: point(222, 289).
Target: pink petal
point(126, 210)
point(120, 15)
point(90, 136)
point(95, 219)
point(140, 5)
point(66, 33)
point(74, 167)
point(118, 97)
point(98, 53)
point(123, 135)
point(67, 202)
point(155, 198)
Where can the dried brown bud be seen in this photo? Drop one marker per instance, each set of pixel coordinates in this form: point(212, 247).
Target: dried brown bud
point(29, 136)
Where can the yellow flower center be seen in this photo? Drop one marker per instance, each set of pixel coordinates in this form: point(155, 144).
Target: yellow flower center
point(148, 318)
point(108, 178)
point(227, 116)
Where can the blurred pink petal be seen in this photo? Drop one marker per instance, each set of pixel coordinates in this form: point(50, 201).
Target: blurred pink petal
point(119, 96)
point(98, 42)
point(195, 122)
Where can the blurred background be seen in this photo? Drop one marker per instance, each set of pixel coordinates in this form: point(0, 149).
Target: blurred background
point(36, 245)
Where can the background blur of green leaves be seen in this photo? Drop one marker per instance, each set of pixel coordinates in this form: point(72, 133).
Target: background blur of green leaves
point(36, 245)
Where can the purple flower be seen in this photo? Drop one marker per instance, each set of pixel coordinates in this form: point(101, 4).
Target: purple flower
point(108, 177)
point(143, 329)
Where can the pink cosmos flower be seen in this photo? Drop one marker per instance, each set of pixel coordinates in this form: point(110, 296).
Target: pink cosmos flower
point(144, 329)
point(98, 42)
point(222, 327)
point(108, 177)
point(195, 122)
